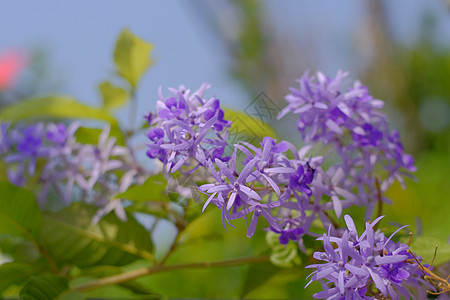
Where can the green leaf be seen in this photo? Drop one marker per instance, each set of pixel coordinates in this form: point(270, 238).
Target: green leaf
point(156, 209)
point(424, 246)
point(201, 228)
point(46, 287)
point(285, 256)
point(19, 248)
point(113, 96)
point(53, 107)
point(151, 190)
point(71, 295)
point(19, 213)
point(87, 135)
point(257, 275)
point(71, 237)
point(132, 57)
point(247, 128)
point(16, 273)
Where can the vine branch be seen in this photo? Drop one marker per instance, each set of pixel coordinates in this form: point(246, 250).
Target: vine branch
point(134, 274)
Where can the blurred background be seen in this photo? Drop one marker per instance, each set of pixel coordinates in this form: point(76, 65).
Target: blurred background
point(399, 49)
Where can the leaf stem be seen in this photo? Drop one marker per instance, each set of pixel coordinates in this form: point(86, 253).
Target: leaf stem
point(48, 257)
point(134, 274)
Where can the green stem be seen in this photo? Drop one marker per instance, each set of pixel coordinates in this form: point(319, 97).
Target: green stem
point(134, 274)
point(48, 257)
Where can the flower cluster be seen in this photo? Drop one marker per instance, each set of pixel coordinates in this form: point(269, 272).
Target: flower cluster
point(270, 185)
point(351, 124)
point(187, 130)
point(290, 193)
point(359, 262)
point(50, 155)
point(290, 188)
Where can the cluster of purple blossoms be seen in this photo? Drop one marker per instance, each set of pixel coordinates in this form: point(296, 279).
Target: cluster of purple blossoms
point(187, 130)
point(270, 185)
point(289, 188)
point(359, 263)
point(290, 193)
point(51, 156)
point(351, 124)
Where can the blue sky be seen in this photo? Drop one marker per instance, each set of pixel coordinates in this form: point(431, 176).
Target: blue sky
point(81, 37)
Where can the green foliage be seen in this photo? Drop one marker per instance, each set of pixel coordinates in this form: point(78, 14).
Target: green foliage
point(258, 274)
point(48, 287)
point(87, 135)
point(425, 246)
point(246, 128)
point(16, 273)
point(112, 96)
point(53, 107)
point(155, 209)
point(19, 213)
point(151, 190)
point(19, 248)
point(70, 236)
point(421, 203)
point(201, 229)
point(206, 240)
point(132, 57)
point(133, 286)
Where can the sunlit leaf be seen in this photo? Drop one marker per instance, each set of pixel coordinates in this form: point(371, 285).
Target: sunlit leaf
point(132, 57)
point(247, 128)
point(70, 236)
point(156, 209)
point(19, 213)
point(113, 96)
point(202, 228)
point(87, 135)
point(151, 190)
point(53, 107)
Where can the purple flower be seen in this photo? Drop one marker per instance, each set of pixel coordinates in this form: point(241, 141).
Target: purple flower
point(57, 133)
point(358, 262)
point(302, 179)
point(28, 144)
point(235, 186)
point(395, 272)
point(173, 108)
point(5, 143)
point(268, 170)
point(289, 234)
point(368, 136)
point(188, 130)
point(365, 164)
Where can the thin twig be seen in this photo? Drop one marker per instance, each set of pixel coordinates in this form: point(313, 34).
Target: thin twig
point(379, 200)
point(134, 274)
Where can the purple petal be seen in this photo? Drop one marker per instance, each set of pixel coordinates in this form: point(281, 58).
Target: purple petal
point(231, 200)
